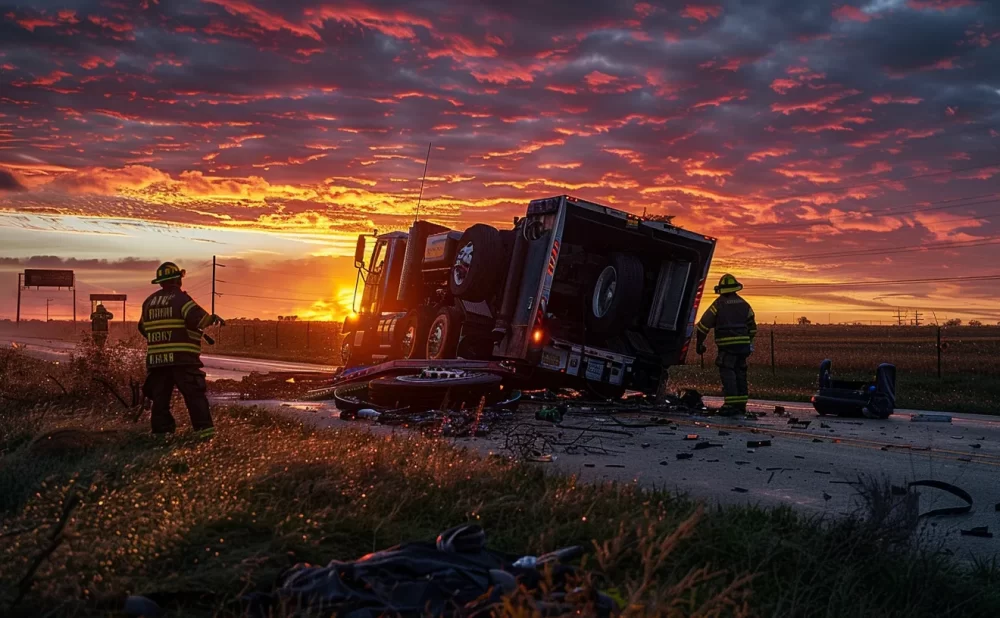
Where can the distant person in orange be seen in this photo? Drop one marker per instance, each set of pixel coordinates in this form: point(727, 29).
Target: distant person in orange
point(99, 325)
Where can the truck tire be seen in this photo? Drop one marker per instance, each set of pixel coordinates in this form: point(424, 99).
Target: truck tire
point(412, 339)
point(426, 394)
point(617, 294)
point(477, 270)
point(443, 334)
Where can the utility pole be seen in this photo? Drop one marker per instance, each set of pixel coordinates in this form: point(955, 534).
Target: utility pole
point(899, 316)
point(47, 301)
point(214, 264)
point(916, 318)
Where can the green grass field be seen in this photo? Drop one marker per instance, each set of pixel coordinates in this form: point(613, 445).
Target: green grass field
point(196, 524)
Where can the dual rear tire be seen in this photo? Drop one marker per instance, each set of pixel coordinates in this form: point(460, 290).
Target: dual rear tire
point(425, 333)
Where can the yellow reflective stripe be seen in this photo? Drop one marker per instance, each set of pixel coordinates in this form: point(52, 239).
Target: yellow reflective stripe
point(163, 324)
point(736, 399)
point(204, 321)
point(194, 335)
point(745, 338)
point(188, 306)
point(713, 308)
point(702, 328)
point(173, 347)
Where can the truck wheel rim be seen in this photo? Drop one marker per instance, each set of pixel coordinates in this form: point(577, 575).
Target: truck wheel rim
point(463, 261)
point(604, 291)
point(345, 352)
point(408, 337)
point(434, 339)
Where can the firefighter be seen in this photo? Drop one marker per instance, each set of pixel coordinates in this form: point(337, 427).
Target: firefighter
point(99, 325)
point(735, 329)
point(172, 324)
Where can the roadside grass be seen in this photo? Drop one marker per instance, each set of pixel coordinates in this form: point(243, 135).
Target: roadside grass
point(193, 524)
point(971, 392)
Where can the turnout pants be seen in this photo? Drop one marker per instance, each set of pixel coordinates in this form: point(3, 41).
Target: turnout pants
point(733, 371)
point(190, 381)
point(100, 338)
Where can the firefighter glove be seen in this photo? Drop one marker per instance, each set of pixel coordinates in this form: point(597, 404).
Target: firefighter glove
point(216, 320)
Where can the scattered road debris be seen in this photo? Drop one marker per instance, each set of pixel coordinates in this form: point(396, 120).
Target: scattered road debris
point(704, 445)
point(644, 445)
point(758, 443)
point(816, 440)
point(930, 418)
point(740, 490)
point(822, 472)
point(954, 490)
point(779, 410)
point(691, 436)
point(614, 466)
point(980, 531)
point(976, 446)
point(589, 465)
point(723, 433)
point(547, 458)
point(827, 496)
point(685, 455)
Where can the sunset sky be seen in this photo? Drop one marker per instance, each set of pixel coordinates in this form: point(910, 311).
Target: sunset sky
point(823, 143)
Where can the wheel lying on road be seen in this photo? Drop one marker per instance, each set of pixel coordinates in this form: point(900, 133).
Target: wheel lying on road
point(432, 389)
point(478, 264)
point(617, 294)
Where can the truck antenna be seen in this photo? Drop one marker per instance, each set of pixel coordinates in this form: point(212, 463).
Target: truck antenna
point(427, 160)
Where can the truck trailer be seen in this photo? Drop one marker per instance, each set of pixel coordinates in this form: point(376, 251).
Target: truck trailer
point(575, 294)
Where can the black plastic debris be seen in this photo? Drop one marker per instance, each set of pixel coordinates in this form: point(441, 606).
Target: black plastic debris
point(588, 465)
point(997, 507)
point(979, 531)
point(644, 445)
point(664, 463)
point(816, 440)
point(740, 462)
point(975, 446)
point(799, 457)
point(822, 472)
point(685, 455)
point(456, 576)
point(827, 496)
point(758, 443)
point(723, 433)
point(614, 466)
point(704, 445)
point(740, 490)
point(793, 421)
point(779, 410)
point(954, 490)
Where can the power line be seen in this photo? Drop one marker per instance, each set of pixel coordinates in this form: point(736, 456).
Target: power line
point(304, 300)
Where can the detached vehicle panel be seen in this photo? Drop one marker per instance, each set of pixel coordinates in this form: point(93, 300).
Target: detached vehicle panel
point(576, 294)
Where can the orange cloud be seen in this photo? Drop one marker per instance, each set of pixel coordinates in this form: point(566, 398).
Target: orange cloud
point(885, 99)
point(760, 155)
point(851, 13)
point(702, 13)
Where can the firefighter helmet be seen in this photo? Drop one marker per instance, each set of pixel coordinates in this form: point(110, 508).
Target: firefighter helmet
point(728, 284)
point(168, 271)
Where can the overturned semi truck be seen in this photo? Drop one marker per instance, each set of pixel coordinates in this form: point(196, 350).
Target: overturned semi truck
point(576, 294)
